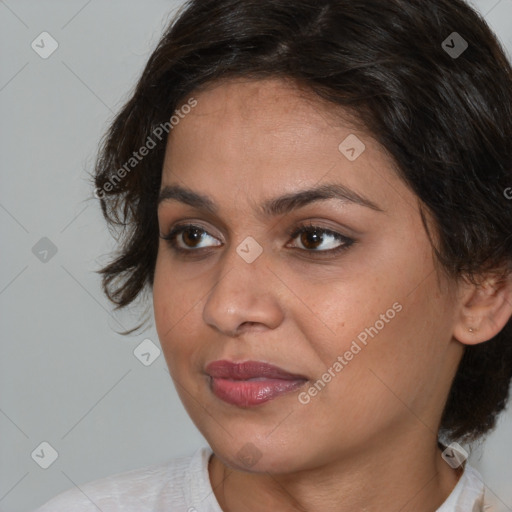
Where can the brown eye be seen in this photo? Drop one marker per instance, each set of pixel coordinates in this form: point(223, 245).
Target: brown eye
point(311, 237)
point(186, 238)
point(191, 236)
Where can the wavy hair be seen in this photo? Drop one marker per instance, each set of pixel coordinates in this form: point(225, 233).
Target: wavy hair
point(442, 111)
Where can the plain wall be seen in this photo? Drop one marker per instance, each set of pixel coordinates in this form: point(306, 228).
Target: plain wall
point(66, 377)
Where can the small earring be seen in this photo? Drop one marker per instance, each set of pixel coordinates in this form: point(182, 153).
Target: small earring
point(471, 329)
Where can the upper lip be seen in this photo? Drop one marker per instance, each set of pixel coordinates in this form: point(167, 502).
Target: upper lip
point(225, 369)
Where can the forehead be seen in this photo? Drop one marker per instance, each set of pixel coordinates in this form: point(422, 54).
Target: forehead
point(269, 117)
point(260, 138)
point(263, 102)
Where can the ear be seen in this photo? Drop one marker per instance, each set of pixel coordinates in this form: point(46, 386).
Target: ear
point(485, 308)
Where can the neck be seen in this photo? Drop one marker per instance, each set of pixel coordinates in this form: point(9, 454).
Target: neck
point(401, 476)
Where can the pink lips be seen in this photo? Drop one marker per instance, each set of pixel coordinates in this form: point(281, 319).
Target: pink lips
point(250, 383)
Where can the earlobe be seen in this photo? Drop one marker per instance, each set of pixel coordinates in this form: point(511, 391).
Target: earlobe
point(485, 309)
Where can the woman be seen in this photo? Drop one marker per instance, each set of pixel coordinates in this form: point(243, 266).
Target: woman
point(315, 194)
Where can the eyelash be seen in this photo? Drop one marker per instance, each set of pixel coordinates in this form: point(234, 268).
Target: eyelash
point(292, 233)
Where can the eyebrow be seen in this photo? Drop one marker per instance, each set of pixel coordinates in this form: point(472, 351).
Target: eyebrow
point(272, 207)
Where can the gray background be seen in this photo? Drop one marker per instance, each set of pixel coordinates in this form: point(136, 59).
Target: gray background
point(66, 377)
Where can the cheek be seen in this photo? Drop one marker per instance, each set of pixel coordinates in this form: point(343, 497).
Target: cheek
point(344, 309)
point(170, 309)
point(392, 321)
point(174, 295)
point(364, 296)
point(392, 354)
point(162, 296)
point(178, 301)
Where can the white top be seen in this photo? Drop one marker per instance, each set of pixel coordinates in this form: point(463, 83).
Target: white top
point(183, 485)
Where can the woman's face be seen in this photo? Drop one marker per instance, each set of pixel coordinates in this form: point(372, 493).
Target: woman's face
point(366, 321)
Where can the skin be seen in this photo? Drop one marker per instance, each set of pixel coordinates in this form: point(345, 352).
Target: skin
point(367, 441)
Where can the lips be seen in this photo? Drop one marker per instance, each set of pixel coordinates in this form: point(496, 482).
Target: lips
point(250, 383)
point(249, 370)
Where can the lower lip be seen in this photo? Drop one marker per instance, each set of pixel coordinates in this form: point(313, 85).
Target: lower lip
point(248, 393)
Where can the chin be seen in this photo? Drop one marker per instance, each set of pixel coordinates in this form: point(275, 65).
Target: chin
point(261, 457)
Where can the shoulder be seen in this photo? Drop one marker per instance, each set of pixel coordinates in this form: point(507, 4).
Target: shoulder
point(137, 490)
point(468, 494)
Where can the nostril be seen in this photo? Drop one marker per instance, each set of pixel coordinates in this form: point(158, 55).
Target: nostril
point(249, 325)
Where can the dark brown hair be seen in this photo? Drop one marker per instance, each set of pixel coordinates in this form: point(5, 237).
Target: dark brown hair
point(443, 111)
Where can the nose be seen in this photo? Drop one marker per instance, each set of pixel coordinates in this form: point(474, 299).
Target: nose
point(245, 297)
